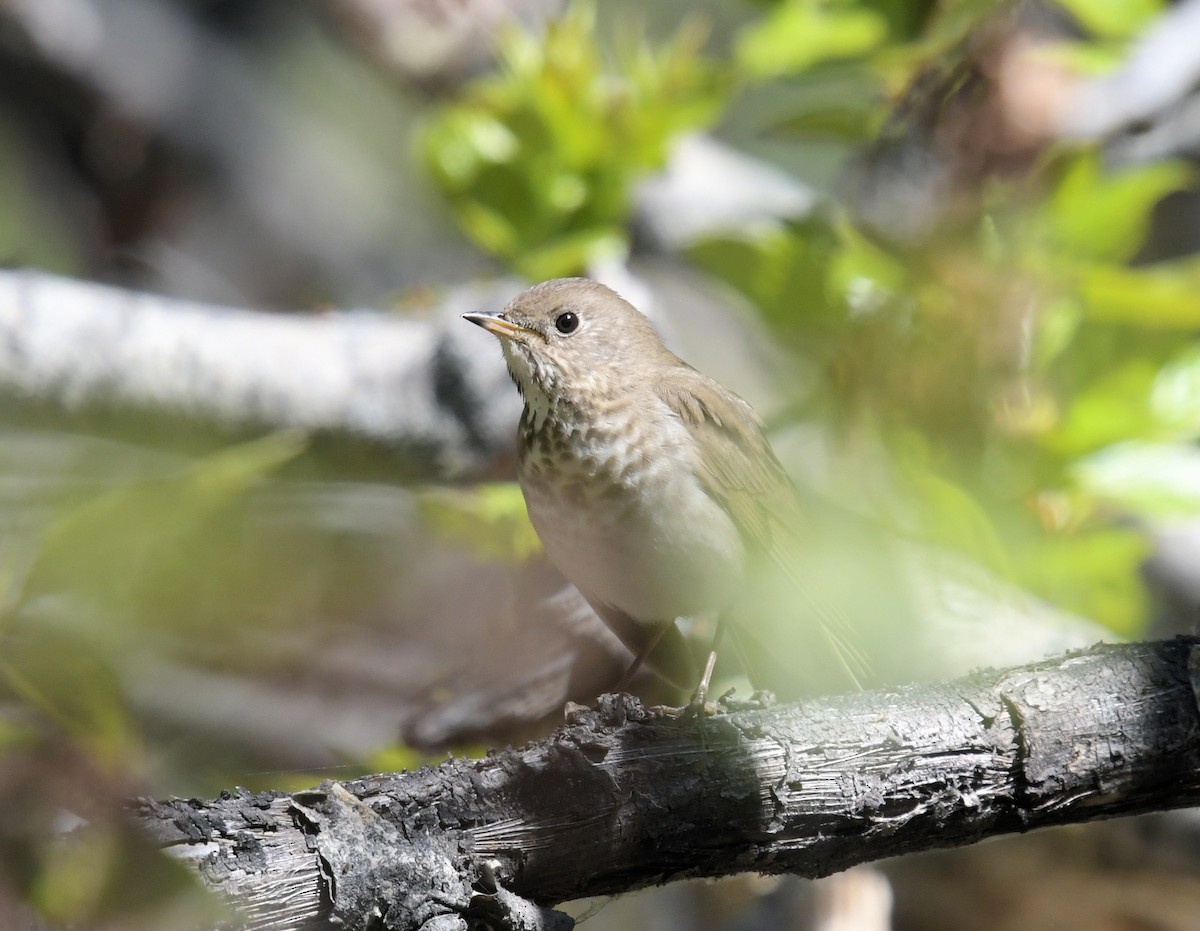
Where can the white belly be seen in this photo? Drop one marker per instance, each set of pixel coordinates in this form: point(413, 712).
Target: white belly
point(658, 548)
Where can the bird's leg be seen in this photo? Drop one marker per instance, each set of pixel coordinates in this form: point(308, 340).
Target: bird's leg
point(640, 657)
point(700, 696)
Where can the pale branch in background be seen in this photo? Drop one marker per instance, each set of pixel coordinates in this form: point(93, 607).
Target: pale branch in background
point(413, 386)
point(621, 798)
point(1160, 73)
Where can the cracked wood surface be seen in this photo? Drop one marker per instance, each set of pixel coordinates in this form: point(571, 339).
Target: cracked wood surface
point(622, 797)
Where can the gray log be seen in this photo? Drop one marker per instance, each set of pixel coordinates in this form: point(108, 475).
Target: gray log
point(621, 797)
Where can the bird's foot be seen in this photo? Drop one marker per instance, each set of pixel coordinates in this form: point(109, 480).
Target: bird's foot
point(699, 700)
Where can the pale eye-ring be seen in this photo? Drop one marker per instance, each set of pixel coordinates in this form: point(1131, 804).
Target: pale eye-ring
point(566, 322)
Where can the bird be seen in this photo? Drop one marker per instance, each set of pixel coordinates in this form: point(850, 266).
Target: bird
point(653, 488)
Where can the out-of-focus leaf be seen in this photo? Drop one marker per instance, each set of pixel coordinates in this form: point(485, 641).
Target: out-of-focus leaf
point(1057, 324)
point(109, 874)
point(1110, 409)
point(574, 251)
point(538, 160)
point(399, 758)
point(834, 107)
point(843, 121)
point(120, 541)
point(1104, 216)
point(1166, 295)
point(867, 277)
point(1091, 573)
point(784, 271)
point(949, 515)
point(490, 519)
point(1154, 479)
point(65, 679)
point(944, 28)
point(1114, 19)
point(798, 34)
point(1175, 396)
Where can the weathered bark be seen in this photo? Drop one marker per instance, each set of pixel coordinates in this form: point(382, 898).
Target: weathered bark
point(622, 797)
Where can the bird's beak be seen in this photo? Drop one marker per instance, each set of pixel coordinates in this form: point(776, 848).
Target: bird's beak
point(498, 325)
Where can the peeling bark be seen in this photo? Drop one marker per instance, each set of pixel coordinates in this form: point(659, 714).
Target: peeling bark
point(624, 797)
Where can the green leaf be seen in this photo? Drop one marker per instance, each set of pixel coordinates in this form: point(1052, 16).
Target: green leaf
point(134, 537)
point(1159, 480)
point(1114, 19)
point(950, 516)
point(1093, 573)
point(785, 271)
point(849, 121)
point(490, 519)
point(866, 277)
point(568, 253)
point(1113, 407)
point(1175, 395)
point(1057, 325)
point(798, 34)
point(538, 160)
point(1165, 296)
point(61, 676)
point(1104, 216)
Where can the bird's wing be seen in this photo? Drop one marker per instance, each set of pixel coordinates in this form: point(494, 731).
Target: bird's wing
point(741, 473)
point(737, 464)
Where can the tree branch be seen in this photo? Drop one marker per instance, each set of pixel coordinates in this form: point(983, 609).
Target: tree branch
point(622, 798)
point(439, 402)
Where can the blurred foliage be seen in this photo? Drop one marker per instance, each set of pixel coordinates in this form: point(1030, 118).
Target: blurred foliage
point(798, 34)
point(489, 520)
point(538, 160)
point(158, 524)
point(996, 364)
point(1114, 19)
point(74, 740)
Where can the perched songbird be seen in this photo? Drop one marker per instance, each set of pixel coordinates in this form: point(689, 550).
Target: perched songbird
point(652, 487)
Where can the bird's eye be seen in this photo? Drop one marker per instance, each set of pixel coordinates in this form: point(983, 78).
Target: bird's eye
point(566, 322)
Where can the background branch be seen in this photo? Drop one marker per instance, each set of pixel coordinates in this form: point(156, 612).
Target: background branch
point(411, 386)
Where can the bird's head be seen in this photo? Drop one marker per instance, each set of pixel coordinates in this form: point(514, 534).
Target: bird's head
point(572, 337)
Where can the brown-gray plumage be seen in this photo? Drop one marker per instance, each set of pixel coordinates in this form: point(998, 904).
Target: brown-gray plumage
point(652, 487)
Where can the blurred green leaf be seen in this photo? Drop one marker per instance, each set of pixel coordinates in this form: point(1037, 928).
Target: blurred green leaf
point(867, 277)
point(1114, 19)
point(1154, 479)
point(798, 34)
point(949, 514)
point(398, 758)
point(490, 519)
point(1092, 573)
point(847, 121)
point(122, 541)
point(111, 875)
point(1057, 325)
point(785, 271)
point(1103, 216)
point(538, 160)
point(1113, 407)
point(1175, 396)
point(66, 679)
point(1158, 296)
